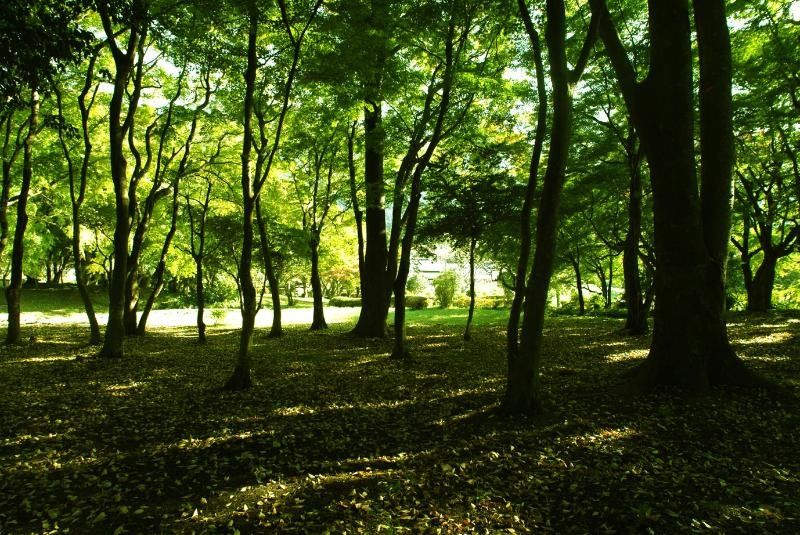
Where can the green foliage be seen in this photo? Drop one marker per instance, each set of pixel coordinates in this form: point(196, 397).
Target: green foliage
point(482, 301)
point(417, 284)
point(344, 301)
point(445, 286)
point(416, 302)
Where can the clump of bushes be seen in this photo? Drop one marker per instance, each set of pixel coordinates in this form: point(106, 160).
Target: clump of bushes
point(416, 302)
point(445, 286)
point(486, 301)
point(343, 301)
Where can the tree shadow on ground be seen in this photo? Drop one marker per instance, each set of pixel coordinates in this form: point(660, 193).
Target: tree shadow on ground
point(335, 435)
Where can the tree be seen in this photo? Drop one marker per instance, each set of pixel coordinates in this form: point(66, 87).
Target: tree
point(78, 184)
point(315, 154)
point(769, 212)
point(252, 184)
point(522, 388)
point(126, 56)
point(690, 347)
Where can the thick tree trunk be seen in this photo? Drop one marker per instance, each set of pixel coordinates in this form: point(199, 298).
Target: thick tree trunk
point(471, 312)
point(759, 291)
point(690, 347)
point(124, 62)
point(318, 322)
point(14, 288)
point(374, 299)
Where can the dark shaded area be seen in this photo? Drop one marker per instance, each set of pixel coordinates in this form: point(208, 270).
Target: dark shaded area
point(335, 435)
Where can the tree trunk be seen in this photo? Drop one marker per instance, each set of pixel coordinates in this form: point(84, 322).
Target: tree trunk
point(14, 288)
point(636, 313)
point(318, 322)
point(472, 244)
point(123, 62)
point(358, 215)
point(200, 299)
point(759, 292)
point(512, 330)
point(276, 330)
point(522, 390)
point(374, 301)
point(690, 347)
point(240, 378)
point(400, 349)
point(161, 267)
point(576, 267)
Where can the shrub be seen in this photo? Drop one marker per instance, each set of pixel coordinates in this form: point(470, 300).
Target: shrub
point(486, 301)
point(416, 284)
point(342, 301)
point(445, 286)
point(416, 302)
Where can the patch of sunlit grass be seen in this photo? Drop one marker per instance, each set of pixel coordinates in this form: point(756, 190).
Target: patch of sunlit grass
point(631, 354)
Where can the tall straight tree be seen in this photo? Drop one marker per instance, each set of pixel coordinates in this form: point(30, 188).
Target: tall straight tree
point(376, 282)
point(252, 183)
point(522, 388)
point(690, 347)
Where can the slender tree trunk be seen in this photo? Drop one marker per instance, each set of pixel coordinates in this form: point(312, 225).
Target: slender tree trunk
point(14, 288)
point(200, 299)
point(374, 301)
point(318, 322)
point(522, 389)
point(512, 331)
point(472, 244)
point(400, 348)
point(161, 267)
point(241, 374)
point(576, 267)
point(759, 291)
point(4, 195)
point(358, 215)
point(636, 314)
point(276, 330)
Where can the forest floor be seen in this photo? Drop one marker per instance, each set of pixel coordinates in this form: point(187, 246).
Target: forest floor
point(334, 436)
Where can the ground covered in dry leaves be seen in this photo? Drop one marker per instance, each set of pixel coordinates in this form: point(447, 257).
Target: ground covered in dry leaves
point(335, 437)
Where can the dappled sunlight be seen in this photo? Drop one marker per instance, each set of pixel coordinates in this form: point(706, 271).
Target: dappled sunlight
point(771, 338)
point(631, 354)
point(27, 360)
point(334, 434)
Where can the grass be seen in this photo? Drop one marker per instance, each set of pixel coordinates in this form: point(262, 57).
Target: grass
point(334, 436)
